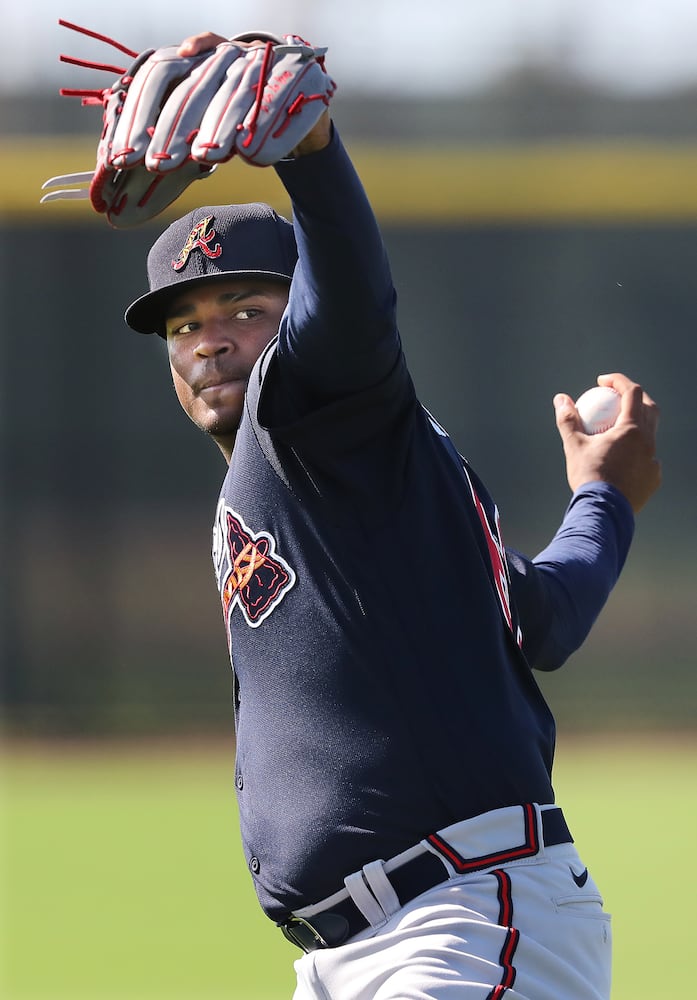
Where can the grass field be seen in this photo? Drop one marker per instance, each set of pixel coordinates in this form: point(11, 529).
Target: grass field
point(123, 879)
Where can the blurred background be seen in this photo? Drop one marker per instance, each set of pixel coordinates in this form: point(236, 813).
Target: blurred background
point(533, 167)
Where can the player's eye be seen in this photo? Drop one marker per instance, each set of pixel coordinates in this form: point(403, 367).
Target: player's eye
point(248, 313)
point(183, 329)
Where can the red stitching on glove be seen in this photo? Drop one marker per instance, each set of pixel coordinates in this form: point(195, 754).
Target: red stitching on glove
point(297, 105)
point(150, 191)
point(97, 95)
point(268, 51)
point(100, 38)
point(88, 64)
point(295, 108)
point(118, 206)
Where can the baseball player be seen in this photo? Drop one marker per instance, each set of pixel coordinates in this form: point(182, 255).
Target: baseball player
point(394, 752)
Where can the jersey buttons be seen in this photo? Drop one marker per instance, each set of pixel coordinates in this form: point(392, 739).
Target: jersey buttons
point(239, 781)
point(254, 865)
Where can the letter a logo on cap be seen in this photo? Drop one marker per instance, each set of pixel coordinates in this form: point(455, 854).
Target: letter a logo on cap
point(198, 237)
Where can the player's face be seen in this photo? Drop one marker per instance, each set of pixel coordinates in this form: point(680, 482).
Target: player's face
point(215, 333)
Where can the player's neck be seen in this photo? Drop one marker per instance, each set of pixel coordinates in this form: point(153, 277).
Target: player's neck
point(226, 443)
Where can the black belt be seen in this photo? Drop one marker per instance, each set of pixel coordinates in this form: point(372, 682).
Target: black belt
point(341, 921)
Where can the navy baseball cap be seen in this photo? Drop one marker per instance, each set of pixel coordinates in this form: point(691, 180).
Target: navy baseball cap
point(215, 242)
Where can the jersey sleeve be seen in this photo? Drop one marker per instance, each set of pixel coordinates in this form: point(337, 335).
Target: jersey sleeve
point(560, 593)
point(339, 333)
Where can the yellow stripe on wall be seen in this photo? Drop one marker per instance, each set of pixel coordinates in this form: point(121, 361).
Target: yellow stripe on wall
point(518, 183)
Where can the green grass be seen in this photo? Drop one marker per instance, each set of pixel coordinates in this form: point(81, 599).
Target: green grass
point(123, 878)
point(632, 807)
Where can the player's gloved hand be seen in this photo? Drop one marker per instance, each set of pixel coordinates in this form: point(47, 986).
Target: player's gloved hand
point(179, 111)
point(624, 455)
point(318, 136)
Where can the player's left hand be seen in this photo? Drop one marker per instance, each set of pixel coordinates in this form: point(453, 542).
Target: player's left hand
point(624, 455)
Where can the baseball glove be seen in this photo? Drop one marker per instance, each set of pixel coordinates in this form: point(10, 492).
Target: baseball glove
point(169, 120)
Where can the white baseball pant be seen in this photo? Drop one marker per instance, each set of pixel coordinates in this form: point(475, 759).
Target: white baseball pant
point(531, 929)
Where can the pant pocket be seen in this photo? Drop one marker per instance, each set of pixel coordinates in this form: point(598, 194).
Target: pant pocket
point(582, 904)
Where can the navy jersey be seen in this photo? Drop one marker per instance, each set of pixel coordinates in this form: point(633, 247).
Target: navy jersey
point(381, 638)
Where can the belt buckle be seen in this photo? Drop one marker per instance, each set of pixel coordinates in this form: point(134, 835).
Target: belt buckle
point(302, 934)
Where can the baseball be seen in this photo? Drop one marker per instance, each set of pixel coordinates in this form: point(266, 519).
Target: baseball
point(598, 409)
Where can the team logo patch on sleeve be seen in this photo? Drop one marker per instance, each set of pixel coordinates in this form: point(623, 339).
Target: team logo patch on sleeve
point(250, 573)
